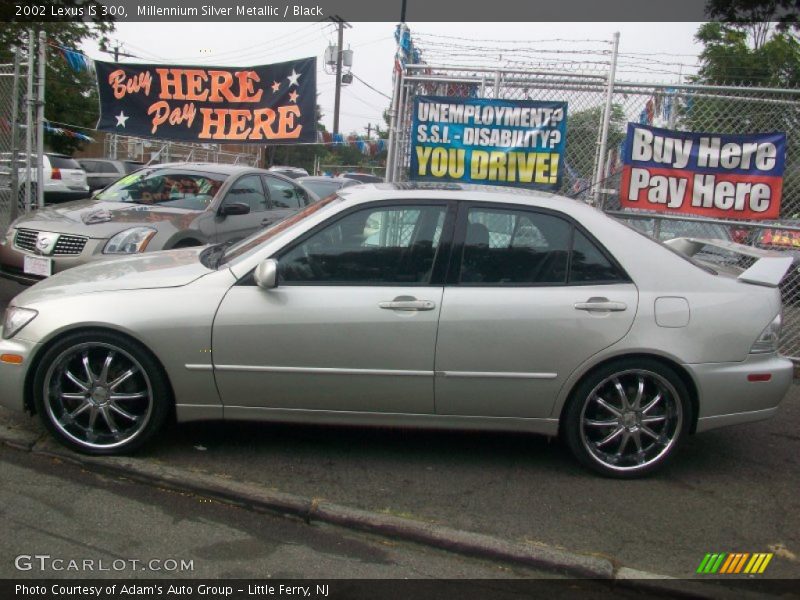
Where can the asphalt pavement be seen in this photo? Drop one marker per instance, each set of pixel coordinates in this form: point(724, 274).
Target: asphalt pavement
point(113, 527)
point(731, 490)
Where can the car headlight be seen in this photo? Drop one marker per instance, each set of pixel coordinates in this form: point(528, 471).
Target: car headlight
point(769, 338)
point(129, 241)
point(15, 319)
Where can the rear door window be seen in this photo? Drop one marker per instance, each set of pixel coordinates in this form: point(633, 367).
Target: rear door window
point(283, 194)
point(509, 247)
point(248, 190)
point(62, 162)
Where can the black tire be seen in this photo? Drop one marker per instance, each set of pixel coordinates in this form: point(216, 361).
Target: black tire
point(101, 393)
point(631, 429)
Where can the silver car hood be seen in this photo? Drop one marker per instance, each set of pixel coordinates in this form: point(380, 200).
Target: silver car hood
point(169, 268)
point(100, 220)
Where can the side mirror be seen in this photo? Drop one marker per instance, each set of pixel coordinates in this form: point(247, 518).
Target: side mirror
point(266, 274)
point(234, 208)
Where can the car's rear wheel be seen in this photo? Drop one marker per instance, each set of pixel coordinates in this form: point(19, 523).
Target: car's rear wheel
point(627, 418)
point(101, 393)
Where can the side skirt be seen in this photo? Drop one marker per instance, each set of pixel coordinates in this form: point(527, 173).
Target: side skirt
point(187, 412)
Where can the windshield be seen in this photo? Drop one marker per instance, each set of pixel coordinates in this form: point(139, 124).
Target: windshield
point(176, 188)
point(263, 235)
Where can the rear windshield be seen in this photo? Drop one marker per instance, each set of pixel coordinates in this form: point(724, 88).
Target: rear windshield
point(176, 188)
point(62, 162)
point(130, 167)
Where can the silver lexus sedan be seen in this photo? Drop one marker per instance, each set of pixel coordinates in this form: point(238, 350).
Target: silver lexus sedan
point(409, 305)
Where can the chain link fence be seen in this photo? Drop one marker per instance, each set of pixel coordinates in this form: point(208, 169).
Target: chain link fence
point(144, 150)
point(696, 108)
point(13, 90)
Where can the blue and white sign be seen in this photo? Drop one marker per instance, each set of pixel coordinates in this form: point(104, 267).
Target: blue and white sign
point(486, 141)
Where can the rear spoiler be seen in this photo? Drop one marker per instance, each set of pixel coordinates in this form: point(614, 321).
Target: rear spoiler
point(768, 270)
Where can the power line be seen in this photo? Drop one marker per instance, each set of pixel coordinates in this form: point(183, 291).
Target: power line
point(377, 91)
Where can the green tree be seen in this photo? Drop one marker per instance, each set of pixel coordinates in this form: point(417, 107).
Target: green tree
point(583, 128)
point(70, 97)
point(756, 15)
point(749, 54)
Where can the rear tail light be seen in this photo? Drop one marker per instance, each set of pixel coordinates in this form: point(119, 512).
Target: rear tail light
point(769, 338)
point(56, 173)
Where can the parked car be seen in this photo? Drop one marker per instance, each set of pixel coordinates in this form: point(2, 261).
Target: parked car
point(669, 229)
point(291, 172)
point(167, 206)
point(786, 242)
point(408, 305)
point(362, 177)
point(101, 172)
point(325, 186)
point(64, 179)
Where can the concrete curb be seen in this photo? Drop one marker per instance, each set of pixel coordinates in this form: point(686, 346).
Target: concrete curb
point(311, 510)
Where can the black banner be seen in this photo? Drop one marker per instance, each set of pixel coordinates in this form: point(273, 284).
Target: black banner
point(268, 104)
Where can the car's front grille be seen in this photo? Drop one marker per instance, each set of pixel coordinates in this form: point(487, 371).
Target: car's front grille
point(26, 239)
point(66, 245)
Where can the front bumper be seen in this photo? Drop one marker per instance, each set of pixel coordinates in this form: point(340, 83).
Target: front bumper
point(12, 259)
point(727, 397)
point(12, 376)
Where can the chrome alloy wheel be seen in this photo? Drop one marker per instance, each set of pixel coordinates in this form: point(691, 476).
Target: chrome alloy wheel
point(98, 395)
point(630, 420)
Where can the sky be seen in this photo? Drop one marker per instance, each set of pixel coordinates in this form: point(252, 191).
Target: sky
point(650, 52)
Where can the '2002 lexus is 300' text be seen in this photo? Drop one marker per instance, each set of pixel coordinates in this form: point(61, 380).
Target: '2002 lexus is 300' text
point(409, 305)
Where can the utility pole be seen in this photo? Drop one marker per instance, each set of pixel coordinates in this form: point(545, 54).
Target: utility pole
point(369, 130)
point(117, 53)
point(342, 24)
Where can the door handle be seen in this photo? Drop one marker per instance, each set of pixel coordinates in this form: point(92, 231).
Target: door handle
point(410, 305)
point(601, 305)
point(268, 221)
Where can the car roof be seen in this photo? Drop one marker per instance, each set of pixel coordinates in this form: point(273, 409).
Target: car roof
point(458, 191)
point(325, 178)
point(224, 168)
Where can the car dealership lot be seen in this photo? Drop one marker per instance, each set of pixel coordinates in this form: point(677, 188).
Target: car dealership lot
point(731, 490)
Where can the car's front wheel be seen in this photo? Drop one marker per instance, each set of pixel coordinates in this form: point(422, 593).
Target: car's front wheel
point(101, 393)
point(627, 418)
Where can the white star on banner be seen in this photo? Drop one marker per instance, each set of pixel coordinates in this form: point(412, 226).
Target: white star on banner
point(293, 78)
point(121, 118)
